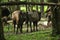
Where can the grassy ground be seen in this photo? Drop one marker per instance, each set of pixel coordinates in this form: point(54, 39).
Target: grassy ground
point(39, 35)
point(42, 34)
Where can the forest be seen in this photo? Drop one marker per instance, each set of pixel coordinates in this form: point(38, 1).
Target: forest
point(30, 22)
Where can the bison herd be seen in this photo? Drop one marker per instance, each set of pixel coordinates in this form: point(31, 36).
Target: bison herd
point(19, 17)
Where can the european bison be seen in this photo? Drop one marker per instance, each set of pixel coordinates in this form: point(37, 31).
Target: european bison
point(18, 18)
point(33, 17)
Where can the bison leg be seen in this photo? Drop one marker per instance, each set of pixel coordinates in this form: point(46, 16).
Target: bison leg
point(33, 26)
point(30, 27)
point(14, 27)
point(36, 26)
point(27, 26)
point(14, 23)
point(21, 28)
point(17, 29)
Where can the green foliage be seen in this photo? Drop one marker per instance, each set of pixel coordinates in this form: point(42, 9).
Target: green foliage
point(34, 8)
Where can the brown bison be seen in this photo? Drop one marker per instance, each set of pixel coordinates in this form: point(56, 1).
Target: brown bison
point(18, 18)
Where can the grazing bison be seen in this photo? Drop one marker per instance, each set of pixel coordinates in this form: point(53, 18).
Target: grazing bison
point(5, 13)
point(33, 17)
point(18, 18)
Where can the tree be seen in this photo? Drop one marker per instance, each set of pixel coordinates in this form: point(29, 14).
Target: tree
point(1, 27)
point(27, 6)
point(37, 5)
point(1, 30)
point(32, 5)
point(42, 7)
point(17, 7)
point(55, 18)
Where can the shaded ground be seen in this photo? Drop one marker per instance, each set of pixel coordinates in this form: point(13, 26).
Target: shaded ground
point(39, 35)
point(43, 33)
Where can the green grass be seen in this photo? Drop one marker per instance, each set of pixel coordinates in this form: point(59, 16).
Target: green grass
point(39, 35)
point(29, 36)
point(32, 36)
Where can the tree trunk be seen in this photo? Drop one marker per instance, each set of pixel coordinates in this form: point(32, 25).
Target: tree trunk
point(31, 5)
point(56, 21)
point(26, 6)
point(42, 8)
point(17, 7)
point(1, 31)
point(55, 18)
point(37, 5)
point(1, 28)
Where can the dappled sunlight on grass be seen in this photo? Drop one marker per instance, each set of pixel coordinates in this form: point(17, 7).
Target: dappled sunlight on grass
point(28, 36)
point(38, 35)
point(42, 34)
